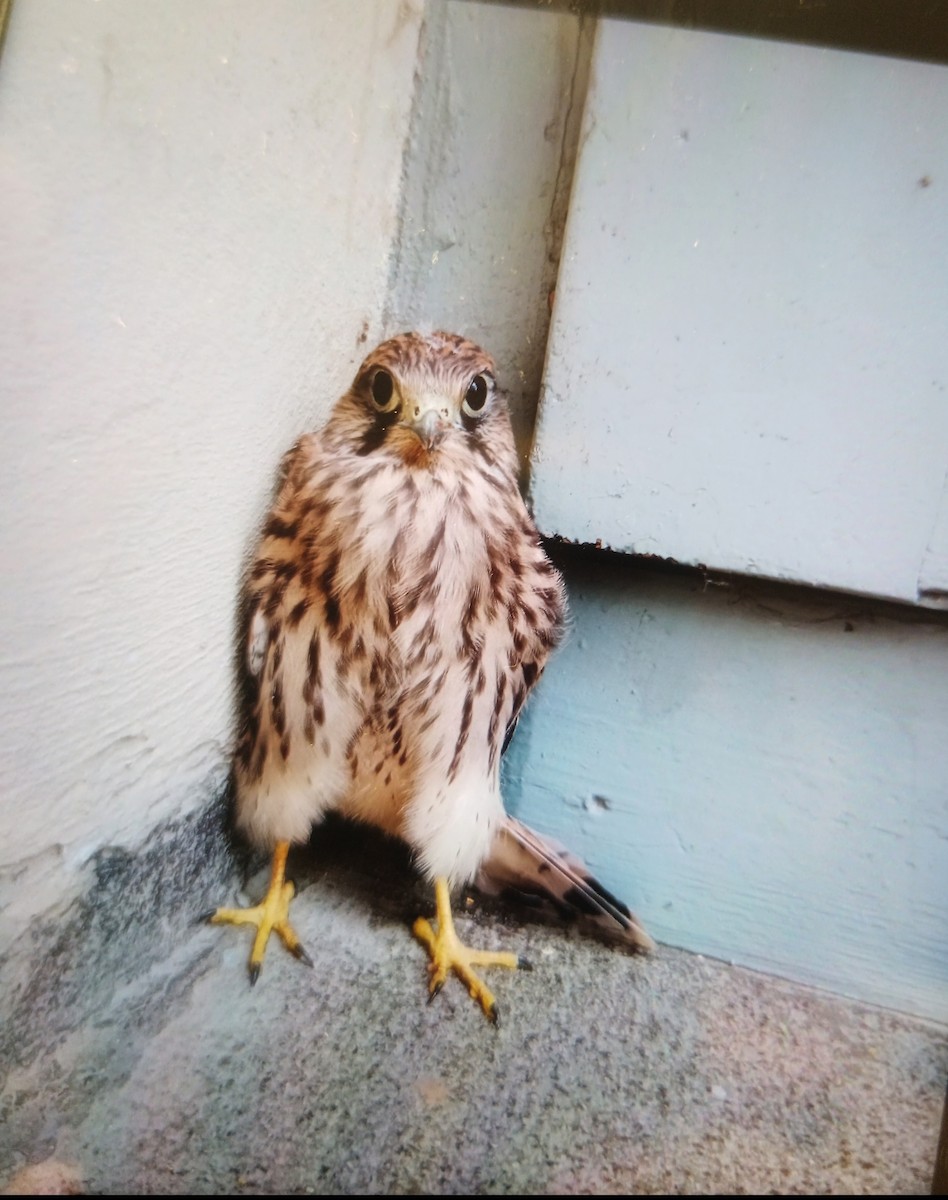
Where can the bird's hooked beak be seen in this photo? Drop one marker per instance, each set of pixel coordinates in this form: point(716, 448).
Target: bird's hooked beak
point(429, 418)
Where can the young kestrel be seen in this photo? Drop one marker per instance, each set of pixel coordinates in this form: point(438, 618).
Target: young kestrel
point(400, 610)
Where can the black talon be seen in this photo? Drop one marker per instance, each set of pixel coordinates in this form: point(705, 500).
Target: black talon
point(300, 953)
point(435, 991)
point(254, 973)
point(205, 917)
point(524, 964)
point(493, 1015)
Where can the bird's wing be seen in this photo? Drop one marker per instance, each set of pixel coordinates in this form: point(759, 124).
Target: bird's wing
point(524, 866)
point(273, 570)
point(275, 564)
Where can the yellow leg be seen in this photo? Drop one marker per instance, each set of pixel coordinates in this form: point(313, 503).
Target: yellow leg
point(448, 953)
point(271, 915)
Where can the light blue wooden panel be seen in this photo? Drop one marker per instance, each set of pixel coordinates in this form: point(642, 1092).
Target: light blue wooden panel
point(748, 363)
point(758, 782)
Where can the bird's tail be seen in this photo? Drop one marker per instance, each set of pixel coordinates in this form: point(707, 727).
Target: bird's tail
point(538, 872)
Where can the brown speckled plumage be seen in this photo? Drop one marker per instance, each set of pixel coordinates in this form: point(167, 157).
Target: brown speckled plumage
point(400, 609)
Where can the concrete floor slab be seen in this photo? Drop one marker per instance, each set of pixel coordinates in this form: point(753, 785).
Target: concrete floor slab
point(607, 1073)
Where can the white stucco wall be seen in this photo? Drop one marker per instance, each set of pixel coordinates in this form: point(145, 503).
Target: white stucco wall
point(199, 203)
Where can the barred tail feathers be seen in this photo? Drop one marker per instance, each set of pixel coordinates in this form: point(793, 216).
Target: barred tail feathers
point(537, 871)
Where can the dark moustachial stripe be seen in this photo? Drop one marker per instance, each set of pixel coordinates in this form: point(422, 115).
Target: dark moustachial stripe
point(374, 437)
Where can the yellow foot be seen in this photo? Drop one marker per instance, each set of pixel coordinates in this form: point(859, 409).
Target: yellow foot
point(271, 915)
point(448, 953)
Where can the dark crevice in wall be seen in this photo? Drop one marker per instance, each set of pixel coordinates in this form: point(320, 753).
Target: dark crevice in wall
point(795, 603)
point(915, 29)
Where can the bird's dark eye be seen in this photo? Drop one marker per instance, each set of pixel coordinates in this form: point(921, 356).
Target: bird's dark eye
point(476, 396)
point(383, 390)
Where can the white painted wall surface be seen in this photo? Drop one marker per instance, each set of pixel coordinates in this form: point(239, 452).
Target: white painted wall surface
point(198, 207)
point(748, 361)
point(762, 777)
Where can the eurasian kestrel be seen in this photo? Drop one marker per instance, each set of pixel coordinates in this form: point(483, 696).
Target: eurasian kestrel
point(400, 609)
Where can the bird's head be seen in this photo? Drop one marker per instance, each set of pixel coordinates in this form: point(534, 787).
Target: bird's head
point(426, 398)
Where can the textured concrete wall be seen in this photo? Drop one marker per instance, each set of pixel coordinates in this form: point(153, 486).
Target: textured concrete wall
point(199, 203)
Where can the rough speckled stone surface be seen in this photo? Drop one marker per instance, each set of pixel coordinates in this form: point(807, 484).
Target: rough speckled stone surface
point(166, 1073)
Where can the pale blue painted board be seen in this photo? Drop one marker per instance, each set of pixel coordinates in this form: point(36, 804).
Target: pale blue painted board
point(776, 788)
point(748, 361)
